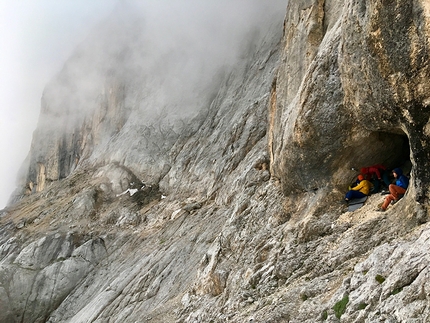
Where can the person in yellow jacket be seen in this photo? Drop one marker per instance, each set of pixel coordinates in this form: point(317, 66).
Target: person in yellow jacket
point(361, 190)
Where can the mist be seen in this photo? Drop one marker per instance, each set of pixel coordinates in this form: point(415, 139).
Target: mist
point(36, 37)
point(167, 54)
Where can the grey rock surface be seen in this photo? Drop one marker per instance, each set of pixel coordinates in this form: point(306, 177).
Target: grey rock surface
point(231, 213)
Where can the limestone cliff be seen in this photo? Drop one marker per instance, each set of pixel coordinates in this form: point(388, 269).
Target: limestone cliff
point(131, 211)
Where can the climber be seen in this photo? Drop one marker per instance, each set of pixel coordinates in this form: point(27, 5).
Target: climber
point(377, 175)
point(396, 190)
point(362, 189)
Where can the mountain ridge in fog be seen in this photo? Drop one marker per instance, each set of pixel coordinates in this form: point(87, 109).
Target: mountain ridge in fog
point(133, 73)
point(231, 214)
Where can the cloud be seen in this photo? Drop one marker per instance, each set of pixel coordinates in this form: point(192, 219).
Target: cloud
point(36, 38)
point(167, 52)
point(170, 52)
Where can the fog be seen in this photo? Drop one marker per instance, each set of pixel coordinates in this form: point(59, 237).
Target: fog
point(36, 37)
point(166, 51)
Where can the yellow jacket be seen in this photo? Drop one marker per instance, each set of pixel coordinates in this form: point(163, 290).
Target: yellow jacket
point(364, 187)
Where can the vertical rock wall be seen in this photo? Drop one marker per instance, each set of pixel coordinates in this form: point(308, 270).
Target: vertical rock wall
point(62, 140)
point(358, 95)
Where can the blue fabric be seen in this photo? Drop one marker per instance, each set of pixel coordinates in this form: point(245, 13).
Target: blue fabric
point(402, 181)
point(385, 181)
point(398, 171)
point(354, 195)
point(384, 175)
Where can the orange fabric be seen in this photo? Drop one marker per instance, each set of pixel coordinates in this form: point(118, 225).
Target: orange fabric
point(394, 195)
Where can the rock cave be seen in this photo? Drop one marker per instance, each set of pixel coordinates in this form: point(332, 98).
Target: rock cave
point(396, 151)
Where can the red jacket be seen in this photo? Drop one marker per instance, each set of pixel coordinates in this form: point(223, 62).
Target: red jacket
point(372, 170)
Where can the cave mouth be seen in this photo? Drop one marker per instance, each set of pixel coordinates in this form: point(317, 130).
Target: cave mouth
point(399, 154)
point(391, 149)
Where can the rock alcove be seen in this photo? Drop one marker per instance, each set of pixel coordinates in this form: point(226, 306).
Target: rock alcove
point(389, 149)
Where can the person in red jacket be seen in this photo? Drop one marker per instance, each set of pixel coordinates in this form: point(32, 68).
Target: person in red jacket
point(377, 175)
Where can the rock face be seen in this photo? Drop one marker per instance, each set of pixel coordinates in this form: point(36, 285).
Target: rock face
point(229, 213)
point(362, 76)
